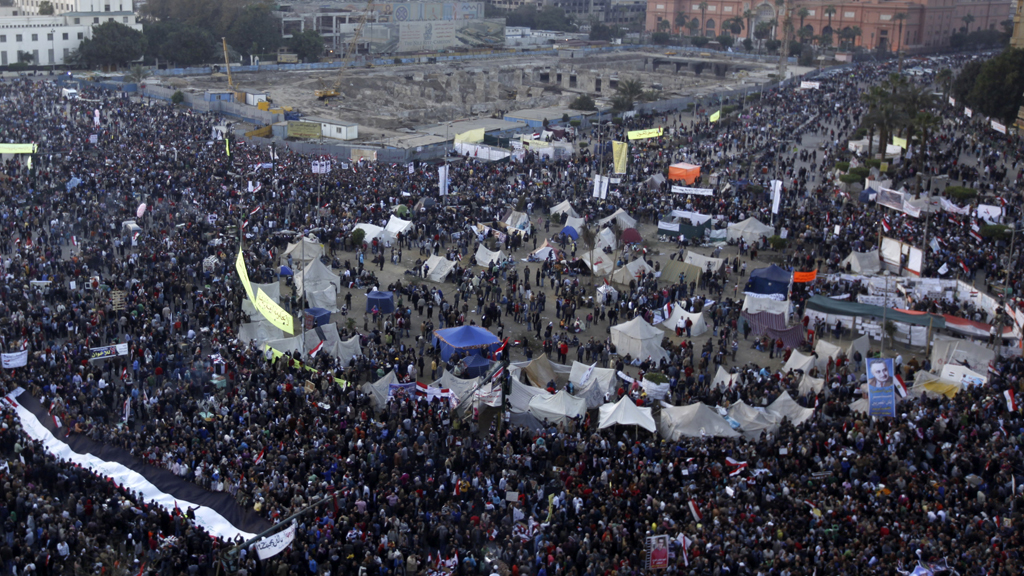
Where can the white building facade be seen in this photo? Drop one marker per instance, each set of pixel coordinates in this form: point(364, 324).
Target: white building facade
point(31, 7)
point(51, 39)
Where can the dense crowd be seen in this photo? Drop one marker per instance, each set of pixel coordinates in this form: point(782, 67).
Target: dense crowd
point(410, 487)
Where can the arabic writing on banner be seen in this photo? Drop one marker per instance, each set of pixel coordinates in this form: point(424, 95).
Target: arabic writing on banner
point(108, 351)
point(642, 134)
point(696, 191)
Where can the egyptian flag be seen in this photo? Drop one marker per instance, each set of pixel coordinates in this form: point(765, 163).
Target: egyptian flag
point(127, 408)
point(974, 234)
point(885, 225)
point(901, 387)
point(259, 457)
point(74, 240)
point(1011, 400)
point(501, 348)
point(964, 266)
point(695, 511)
point(255, 210)
point(244, 224)
point(28, 241)
point(124, 373)
point(736, 466)
point(136, 236)
point(322, 337)
point(498, 373)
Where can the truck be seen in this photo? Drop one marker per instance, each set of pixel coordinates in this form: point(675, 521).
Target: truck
point(69, 93)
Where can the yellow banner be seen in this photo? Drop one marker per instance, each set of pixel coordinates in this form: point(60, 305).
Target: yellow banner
point(471, 137)
point(620, 153)
point(901, 142)
point(277, 354)
point(642, 134)
point(18, 148)
point(273, 312)
point(715, 117)
point(243, 275)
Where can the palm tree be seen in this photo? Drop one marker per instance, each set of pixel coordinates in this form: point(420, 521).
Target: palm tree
point(924, 123)
point(968, 19)
point(944, 78)
point(749, 15)
point(830, 11)
point(693, 25)
point(588, 238)
point(735, 25)
point(780, 4)
point(900, 17)
point(803, 13)
point(703, 9)
point(762, 31)
point(137, 74)
point(681, 22)
point(855, 31)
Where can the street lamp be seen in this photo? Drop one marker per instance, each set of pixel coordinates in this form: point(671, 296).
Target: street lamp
point(53, 50)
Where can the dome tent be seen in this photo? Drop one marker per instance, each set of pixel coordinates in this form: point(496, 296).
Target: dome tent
point(465, 339)
point(770, 280)
point(384, 302)
point(638, 339)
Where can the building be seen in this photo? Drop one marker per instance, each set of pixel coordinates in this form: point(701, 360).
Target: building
point(51, 39)
point(927, 23)
point(31, 7)
point(1017, 40)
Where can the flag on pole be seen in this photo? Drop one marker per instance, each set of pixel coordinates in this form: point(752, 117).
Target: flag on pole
point(695, 511)
point(255, 210)
point(259, 457)
point(736, 465)
point(716, 116)
point(1011, 400)
point(885, 225)
point(316, 349)
point(901, 387)
point(74, 240)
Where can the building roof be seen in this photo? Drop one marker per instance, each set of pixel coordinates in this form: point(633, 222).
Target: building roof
point(450, 129)
point(554, 114)
point(332, 121)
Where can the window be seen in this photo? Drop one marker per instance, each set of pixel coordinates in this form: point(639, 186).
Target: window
point(3, 38)
point(95, 20)
point(885, 17)
point(67, 52)
point(17, 38)
point(80, 35)
point(106, 8)
point(65, 36)
point(712, 8)
point(78, 20)
point(727, 9)
point(3, 58)
point(849, 14)
point(35, 37)
point(49, 36)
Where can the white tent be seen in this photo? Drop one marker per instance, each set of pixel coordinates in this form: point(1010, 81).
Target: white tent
point(862, 262)
point(754, 305)
point(753, 421)
point(625, 413)
point(326, 299)
point(693, 421)
point(606, 290)
point(702, 262)
point(273, 290)
point(543, 252)
point(518, 221)
point(576, 223)
point(395, 227)
point(520, 395)
point(566, 207)
point(810, 385)
point(785, 407)
point(333, 344)
point(461, 387)
point(751, 230)
point(798, 361)
point(600, 264)
point(601, 378)
point(723, 379)
point(678, 318)
point(438, 268)
point(825, 350)
point(631, 271)
point(370, 230)
point(315, 277)
point(558, 408)
point(378, 391)
point(306, 250)
point(621, 217)
point(606, 239)
point(259, 332)
point(862, 344)
point(638, 339)
point(484, 257)
point(946, 350)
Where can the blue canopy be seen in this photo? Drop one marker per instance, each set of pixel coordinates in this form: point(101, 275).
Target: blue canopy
point(286, 271)
point(466, 340)
point(383, 301)
point(475, 366)
point(571, 232)
point(317, 316)
point(770, 280)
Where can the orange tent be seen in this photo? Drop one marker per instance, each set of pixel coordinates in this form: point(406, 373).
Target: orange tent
point(688, 173)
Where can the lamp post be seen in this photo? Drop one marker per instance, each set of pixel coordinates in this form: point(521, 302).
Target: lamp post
point(53, 49)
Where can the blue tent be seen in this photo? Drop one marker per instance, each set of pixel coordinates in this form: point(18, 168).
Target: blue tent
point(286, 271)
point(770, 280)
point(383, 301)
point(317, 317)
point(466, 340)
point(475, 366)
point(571, 232)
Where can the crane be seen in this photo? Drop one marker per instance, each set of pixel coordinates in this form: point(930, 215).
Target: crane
point(353, 45)
point(227, 62)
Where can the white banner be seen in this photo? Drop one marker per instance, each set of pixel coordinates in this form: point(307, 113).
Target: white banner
point(696, 191)
point(810, 85)
point(15, 360)
point(601, 186)
point(321, 166)
point(776, 200)
point(442, 177)
point(275, 544)
point(998, 127)
point(952, 101)
point(969, 112)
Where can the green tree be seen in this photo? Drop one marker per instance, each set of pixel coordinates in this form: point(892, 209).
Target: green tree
point(626, 94)
point(968, 20)
point(308, 45)
point(46, 8)
point(693, 26)
point(664, 26)
point(137, 74)
point(944, 78)
point(749, 15)
point(830, 11)
point(25, 57)
point(256, 28)
point(178, 97)
point(999, 85)
point(599, 31)
point(112, 44)
point(660, 38)
point(583, 102)
point(965, 80)
point(700, 41)
point(734, 25)
point(681, 21)
point(178, 42)
point(803, 13)
point(748, 44)
point(215, 17)
point(726, 40)
point(772, 45)
point(554, 18)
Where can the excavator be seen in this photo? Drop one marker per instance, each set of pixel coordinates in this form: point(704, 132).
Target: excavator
point(326, 92)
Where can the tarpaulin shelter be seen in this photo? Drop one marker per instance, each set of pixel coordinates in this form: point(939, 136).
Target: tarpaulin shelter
point(606, 239)
point(677, 270)
point(517, 221)
point(317, 316)
point(600, 383)
point(273, 290)
point(626, 413)
point(380, 390)
point(724, 380)
point(316, 277)
point(326, 299)
point(302, 252)
point(620, 216)
point(564, 207)
point(558, 408)
point(465, 340)
point(632, 271)
point(333, 344)
point(679, 313)
point(520, 395)
point(541, 371)
point(606, 290)
point(703, 262)
point(600, 264)
point(571, 232)
point(395, 227)
point(485, 257)
point(753, 422)
point(631, 236)
point(284, 271)
point(371, 231)
point(750, 230)
point(688, 173)
point(577, 223)
point(770, 280)
point(753, 305)
point(693, 421)
point(946, 350)
point(475, 365)
point(826, 350)
point(259, 332)
point(638, 339)
point(655, 181)
point(827, 305)
point(798, 361)
point(545, 251)
point(862, 262)
point(809, 385)
point(785, 407)
point(438, 268)
point(384, 302)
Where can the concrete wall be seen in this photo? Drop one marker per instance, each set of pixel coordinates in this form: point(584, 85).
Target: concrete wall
point(196, 101)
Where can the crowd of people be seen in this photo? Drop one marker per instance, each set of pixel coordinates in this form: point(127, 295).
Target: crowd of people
point(416, 487)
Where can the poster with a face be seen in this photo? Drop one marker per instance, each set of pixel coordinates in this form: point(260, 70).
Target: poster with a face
point(880, 372)
point(881, 389)
point(658, 547)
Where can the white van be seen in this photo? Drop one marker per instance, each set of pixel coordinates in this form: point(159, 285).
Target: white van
point(69, 93)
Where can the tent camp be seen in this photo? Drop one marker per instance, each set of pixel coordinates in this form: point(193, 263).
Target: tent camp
point(724, 380)
point(631, 271)
point(946, 350)
point(326, 299)
point(770, 280)
point(558, 408)
point(461, 387)
point(259, 332)
point(438, 268)
point(380, 390)
point(826, 350)
point(862, 263)
point(577, 224)
point(520, 395)
point(395, 227)
point(625, 413)
point(678, 318)
point(798, 361)
point(600, 382)
point(545, 251)
point(485, 257)
point(693, 421)
point(606, 293)
point(752, 421)
point(333, 344)
point(750, 231)
point(621, 217)
point(465, 340)
point(370, 230)
point(540, 372)
point(703, 262)
point(303, 252)
point(785, 407)
point(517, 221)
point(810, 385)
point(655, 181)
point(600, 264)
point(688, 173)
point(638, 339)
point(753, 305)
point(316, 316)
point(606, 239)
point(316, 277)
point(677, 270)
point(475, 365)
point(564, 207)
point(273, 290)
point(384, 302)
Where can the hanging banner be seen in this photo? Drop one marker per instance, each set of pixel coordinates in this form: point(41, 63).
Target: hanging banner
point(108, 351)
point(998, 127)
point(321, 166)
point(442, 178)
point(15, 360)
point(776, 200)
point(96, 116)
point(620, 154)
point(601, 187)
point(810, 85)
point(799, 277)
point(952, 101)
point(273, 545)
point(715, 117)
point(644, 134)
point(243, 275)
point(693, 191)
point(881, 390)
point(901, 142)
point(968, 112)
point(657, 552)
point(273, 312)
